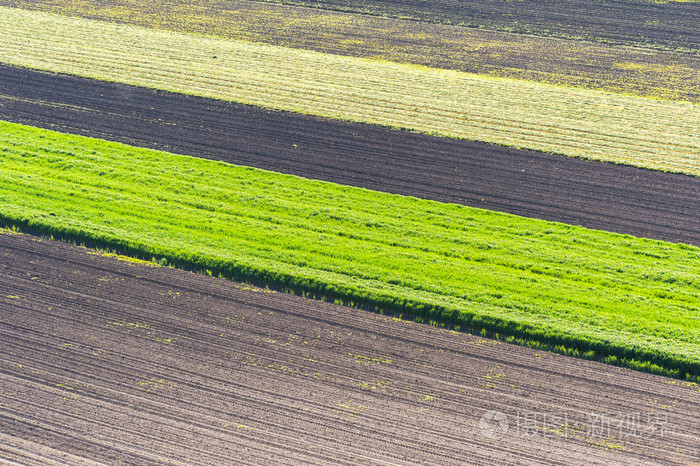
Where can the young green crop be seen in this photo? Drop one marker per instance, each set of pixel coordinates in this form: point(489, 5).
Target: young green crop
point(552, 283)
point(575, 122)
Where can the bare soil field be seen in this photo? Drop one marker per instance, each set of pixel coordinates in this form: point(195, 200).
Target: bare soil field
point(106, 359)
point(597, 195)
point(631, 70)
point(665, 24)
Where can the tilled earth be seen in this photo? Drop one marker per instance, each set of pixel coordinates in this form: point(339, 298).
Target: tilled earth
point(596, 195)
point(104, 359)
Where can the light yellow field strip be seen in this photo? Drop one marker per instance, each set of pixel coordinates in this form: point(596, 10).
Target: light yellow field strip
point(644, 132)
point(622, 70)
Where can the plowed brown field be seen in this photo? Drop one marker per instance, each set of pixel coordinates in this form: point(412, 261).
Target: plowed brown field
point(107, 360)
point(596, 195)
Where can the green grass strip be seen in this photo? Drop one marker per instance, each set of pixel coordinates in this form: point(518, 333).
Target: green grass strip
point(624, 70)
point(644, 132)
point(556, 284)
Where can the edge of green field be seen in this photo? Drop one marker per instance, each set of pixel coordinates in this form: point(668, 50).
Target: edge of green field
point(591, 293)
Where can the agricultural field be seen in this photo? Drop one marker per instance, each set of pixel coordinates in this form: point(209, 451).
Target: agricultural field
point(580, 123)
point(590, 291)
point(663, 24)
point(617, 198)
point(134, 363)
point(625, 70)
point(349, 231)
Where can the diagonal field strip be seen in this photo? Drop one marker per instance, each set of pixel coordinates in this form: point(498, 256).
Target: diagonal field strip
point(643, 132)
point(623, 70)
point(588, 290)
point(659, 24)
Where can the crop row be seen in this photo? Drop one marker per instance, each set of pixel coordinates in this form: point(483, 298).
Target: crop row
point(625, 70)
point(643, 132)
point(589, 290)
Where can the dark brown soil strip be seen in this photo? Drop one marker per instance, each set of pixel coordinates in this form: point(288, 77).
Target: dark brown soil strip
point(111, 361)
point(596, 195)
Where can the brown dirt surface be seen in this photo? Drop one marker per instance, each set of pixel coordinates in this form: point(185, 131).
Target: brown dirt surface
point(108, 360)
point(652, 23)
point(596, 195)
point(644, 72)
